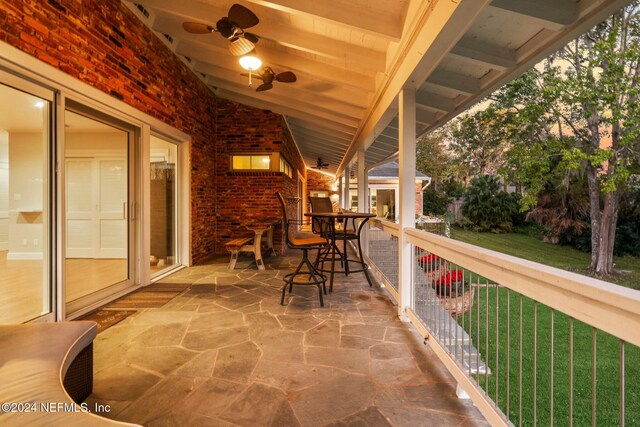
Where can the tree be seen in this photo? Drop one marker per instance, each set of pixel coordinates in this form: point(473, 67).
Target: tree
point(432, 158)
point(477, 143)
point(593, 85)
point(487, 207)
point(578, 113)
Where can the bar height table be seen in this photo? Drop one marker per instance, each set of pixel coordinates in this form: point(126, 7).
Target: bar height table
point(334, 234)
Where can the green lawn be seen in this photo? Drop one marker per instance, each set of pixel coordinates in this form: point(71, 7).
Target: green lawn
point(492, 347)
point(533, 249)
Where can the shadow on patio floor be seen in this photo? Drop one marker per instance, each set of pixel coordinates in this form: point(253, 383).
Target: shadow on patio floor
point(225, 352)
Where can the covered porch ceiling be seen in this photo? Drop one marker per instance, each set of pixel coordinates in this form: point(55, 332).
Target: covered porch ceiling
point(352, 57)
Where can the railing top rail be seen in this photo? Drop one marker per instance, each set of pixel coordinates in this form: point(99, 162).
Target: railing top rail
point(606, 306)
point(388, 226)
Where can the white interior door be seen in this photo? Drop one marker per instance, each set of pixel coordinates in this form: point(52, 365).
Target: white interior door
point(80, 215)
point(96, 207)
point(112, 208)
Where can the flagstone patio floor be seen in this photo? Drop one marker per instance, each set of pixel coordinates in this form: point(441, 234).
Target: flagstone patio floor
point(226, 353)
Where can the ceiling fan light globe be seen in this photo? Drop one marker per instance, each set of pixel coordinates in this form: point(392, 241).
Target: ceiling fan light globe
point(250, 62)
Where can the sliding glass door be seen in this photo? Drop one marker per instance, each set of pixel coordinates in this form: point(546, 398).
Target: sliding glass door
point(25, 201)
point(99, 232)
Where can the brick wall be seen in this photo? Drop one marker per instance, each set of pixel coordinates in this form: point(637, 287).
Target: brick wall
point(419, 207)
point(104, 45)
point(317, 181)
point(244, 197)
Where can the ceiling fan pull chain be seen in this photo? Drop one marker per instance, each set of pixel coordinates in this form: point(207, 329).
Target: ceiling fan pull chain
point(250, 78)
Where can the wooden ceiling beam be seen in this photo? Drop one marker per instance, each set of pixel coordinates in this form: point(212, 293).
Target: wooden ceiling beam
point(556, 14)
point(249, 100)
point(476, 51)
point(433, 101)
point(298, 123)
point(454, 81)
point(426, 117)
point(380, 23)
point(315, 135)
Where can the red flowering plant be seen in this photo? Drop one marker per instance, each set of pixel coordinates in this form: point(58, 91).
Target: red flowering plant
point(451, 284)
point(431, 262)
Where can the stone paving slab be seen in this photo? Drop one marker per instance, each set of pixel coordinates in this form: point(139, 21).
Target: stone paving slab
point(226, 353)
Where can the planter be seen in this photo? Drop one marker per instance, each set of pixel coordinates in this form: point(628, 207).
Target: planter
point(460, 304)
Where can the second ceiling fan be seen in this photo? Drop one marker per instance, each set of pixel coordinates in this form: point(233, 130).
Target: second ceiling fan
point(268, 76)
point(231, 27)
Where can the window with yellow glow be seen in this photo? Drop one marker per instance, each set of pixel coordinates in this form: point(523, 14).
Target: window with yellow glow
point(286, 168)
point(251, 162)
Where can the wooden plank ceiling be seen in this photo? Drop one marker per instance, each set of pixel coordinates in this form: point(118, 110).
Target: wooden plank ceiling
point(349, 57)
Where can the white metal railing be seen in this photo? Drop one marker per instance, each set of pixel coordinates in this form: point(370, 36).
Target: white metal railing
point(529, 343)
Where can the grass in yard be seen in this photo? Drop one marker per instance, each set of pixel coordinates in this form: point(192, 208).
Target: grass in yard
point(566, 258)
point(538, 357)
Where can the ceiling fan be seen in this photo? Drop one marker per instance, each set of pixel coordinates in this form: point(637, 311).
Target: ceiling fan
point(232, 28)
point(320, 164)
point(267, 75)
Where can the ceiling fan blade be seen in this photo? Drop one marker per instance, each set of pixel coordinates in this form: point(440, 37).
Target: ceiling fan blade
point(241, 47)
point(197, 28)
point(286, 77)
point(225, 27)
point(263, 87)
point(242, 17)
point(251, 37)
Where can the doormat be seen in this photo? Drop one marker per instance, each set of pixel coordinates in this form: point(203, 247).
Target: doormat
point(145, 299)
point(167, 287)
point(107, 318)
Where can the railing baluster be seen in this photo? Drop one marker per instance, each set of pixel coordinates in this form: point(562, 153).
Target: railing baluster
point(621, 383)
point(455, 320)
point(440, 317)
point(551, 370)
point(478, 329)
point(508, 389)
point(570, 371)
point(486, 335)
point(497, 344)
point(470, 335)
point(520, 369)
point(535, 363)
point(450, 319)
point(594, 348)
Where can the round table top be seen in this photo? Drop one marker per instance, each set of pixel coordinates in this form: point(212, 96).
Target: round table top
point(340, 215)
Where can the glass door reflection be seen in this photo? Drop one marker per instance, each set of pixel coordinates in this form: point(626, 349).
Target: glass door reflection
point(163, 191)
point(25, 141)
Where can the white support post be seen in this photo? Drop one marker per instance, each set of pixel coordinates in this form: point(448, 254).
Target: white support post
point(363, 196)
point(407, 198)
point(345, 198)
point(363, 183)
point(340, 193)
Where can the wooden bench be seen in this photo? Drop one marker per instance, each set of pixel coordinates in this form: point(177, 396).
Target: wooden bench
point(46, 371)
point(240, 244)
point(253, 242)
